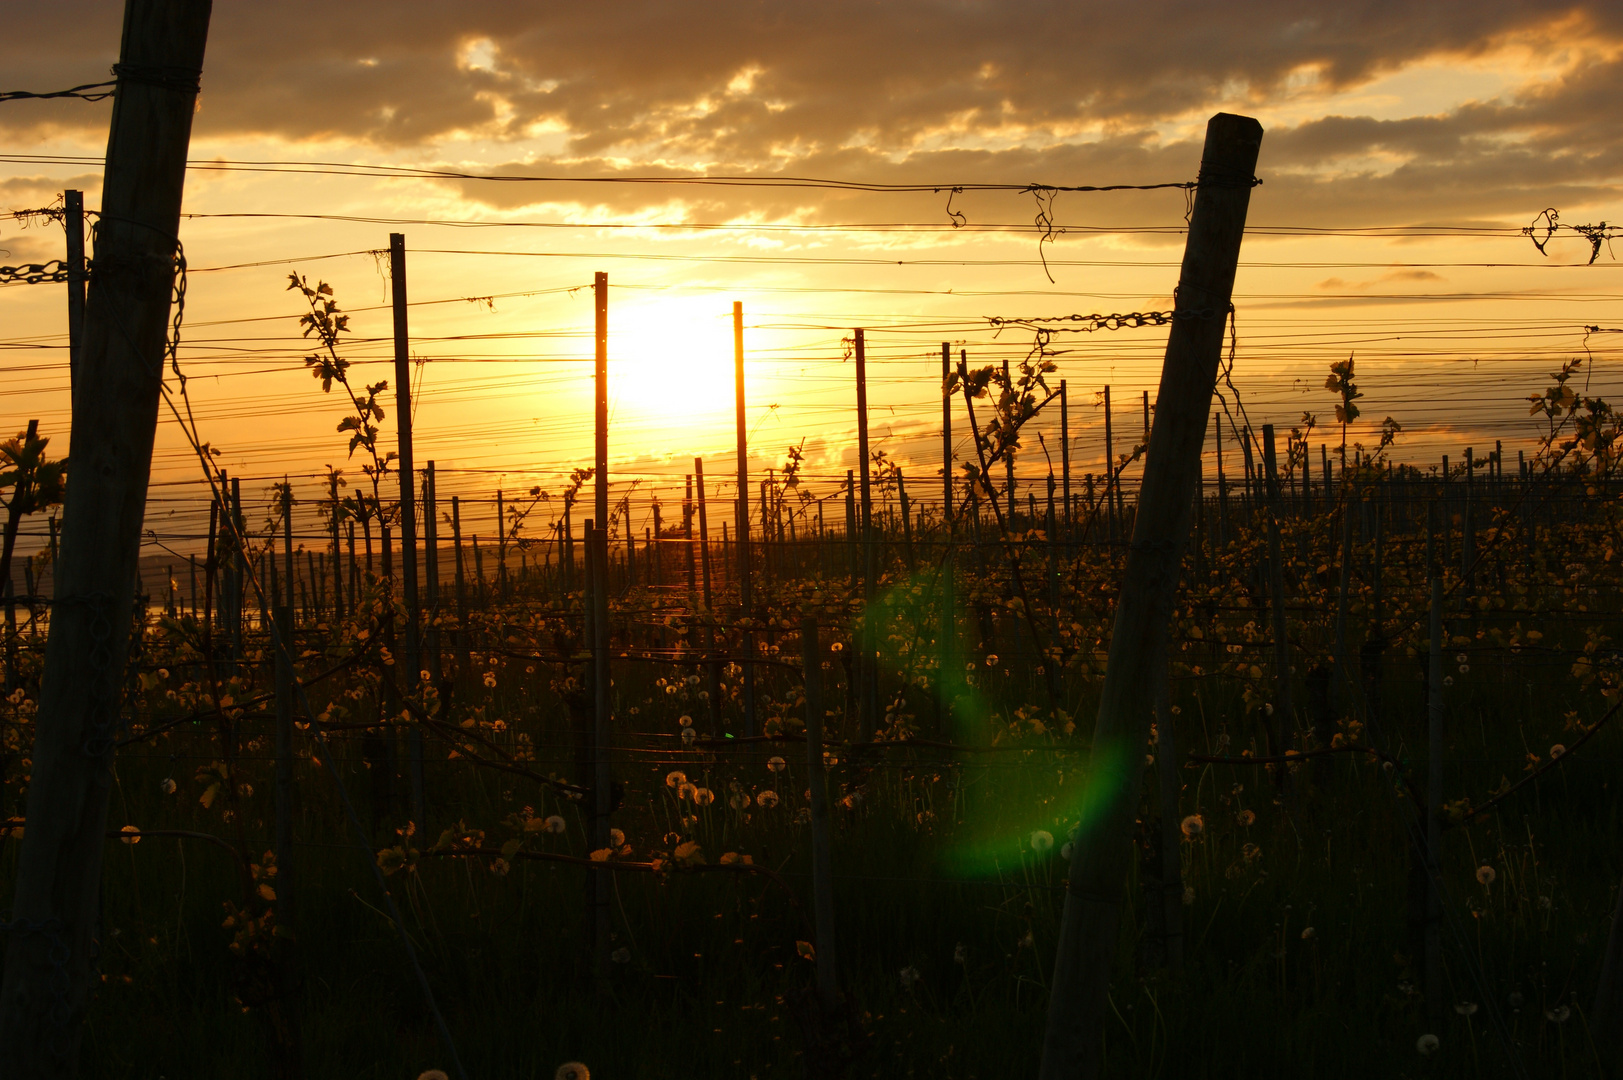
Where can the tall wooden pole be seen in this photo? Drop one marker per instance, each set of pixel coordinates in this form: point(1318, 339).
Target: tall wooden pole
point(73, 220)
point(50, 953)
point(946, 436)
point(1435, 750)
point(1065, 454)
point(1111, 500)
point(712, 669)
point(408, 508)
point(1282, 725)
point(337, 549)
point(597, 558)
point(1078, 999)
point(431, 581)
point(817, 786)
point(867, 670)
point(286, 872)
point(743, 516)
point(600, 296)
point(945, 636)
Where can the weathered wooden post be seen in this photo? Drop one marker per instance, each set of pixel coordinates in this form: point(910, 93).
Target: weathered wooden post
point(597, 548)
point(408, 512)
point(1112, 502)
point(1222, 485)
point(1435, 749)
point(287, 878)
point(73, 220)
point(1065, 456)
point(49, 957)
point(337, 548)
point(1169, 781)
point(1072, 1045)
point(822, 864)
point(712, 669)
point(946, 633)
point(742, 536)
point(867, 640)
point(1282, 724)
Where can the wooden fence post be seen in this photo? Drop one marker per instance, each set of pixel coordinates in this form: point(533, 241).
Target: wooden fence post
point(597, 557)
point(1169, 780)
point(1072, 1045)
point(1222, 486)
point(742, 535)
point(948, 622)
point(1065, 457)
point(712, 669)
point(431, 583)
point(1112, 499)
point(1282, 724)
point(408, 513)
point(867, 640)
point(48, 962)
point(1435, 749)
point(337, 549)
point(73, 220)
point(822, 864)
point(286, 871)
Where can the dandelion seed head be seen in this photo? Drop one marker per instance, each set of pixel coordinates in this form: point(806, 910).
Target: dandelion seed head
point(1308, 933)
point(1193, 826)
point(910, 975)
point(1427, 1044)
point(554, 824)
point(1042, 841)
point(767, 799)
point(616, 837)
point(687, 791)
point(675, 778)
point(168, 786)
point(776, 764)
point(1556, 751)
point(1466, 1008)
point(432, 1074)
point(1558, 1015)
point(1246, 818)
point(1485, 875)
point(703, 797)
point(572, 1070)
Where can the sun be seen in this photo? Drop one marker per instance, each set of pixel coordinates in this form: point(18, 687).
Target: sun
point(670, 372)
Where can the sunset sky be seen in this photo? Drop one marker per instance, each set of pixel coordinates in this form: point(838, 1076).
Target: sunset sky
point(1406, 145)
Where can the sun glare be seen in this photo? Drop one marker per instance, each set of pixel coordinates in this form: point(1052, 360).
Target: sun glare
point(670, 368)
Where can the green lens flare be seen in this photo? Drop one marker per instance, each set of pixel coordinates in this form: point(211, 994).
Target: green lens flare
point(994, 839)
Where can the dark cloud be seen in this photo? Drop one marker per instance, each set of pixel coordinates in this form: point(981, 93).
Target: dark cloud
point(870, 90)
point(655, 73)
